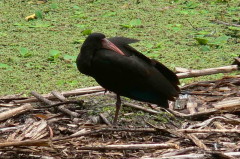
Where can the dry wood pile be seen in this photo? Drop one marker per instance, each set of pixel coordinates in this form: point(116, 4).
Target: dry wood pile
point(205, 123)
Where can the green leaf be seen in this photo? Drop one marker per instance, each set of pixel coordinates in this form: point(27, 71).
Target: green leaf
point(2, 65)
point(135, 22)
point(39, 14)
point(191, 5)
point(202, 40)
point(76, 7)
point(2, 34)
point(39, 25)
point(205, 48)
point(54, 5)
point(125, 25)
point(86, 32)
point(109, 14)
point(219, 41)
point(234, 28)
point(24, 52)
point(53, 55)
point(80, 26)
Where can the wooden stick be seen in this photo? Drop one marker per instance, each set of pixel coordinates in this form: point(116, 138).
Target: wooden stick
point(81, 91)
point(209, 130)
point(105, 120)
point(208, 71)
point(26, 143)
point(129, 147)
point(196, 156)
point(15, 111)
point(62, 108)
point(182, 70)
point(179, 152)
point(233, 104)
point(198, 142)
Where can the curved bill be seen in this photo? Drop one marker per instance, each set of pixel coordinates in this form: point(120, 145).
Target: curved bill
point(110, 46)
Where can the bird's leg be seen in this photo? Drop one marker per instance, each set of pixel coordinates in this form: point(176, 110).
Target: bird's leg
point(118, 107)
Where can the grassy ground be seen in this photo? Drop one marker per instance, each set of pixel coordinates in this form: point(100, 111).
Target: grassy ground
point(39, 54)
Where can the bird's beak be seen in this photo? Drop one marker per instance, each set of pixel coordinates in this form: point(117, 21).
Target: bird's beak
point(110, 46)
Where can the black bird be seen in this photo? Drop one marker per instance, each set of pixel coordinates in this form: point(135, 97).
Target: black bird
point(120, 68)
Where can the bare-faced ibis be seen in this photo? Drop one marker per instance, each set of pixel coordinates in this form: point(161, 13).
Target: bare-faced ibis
point(120, 68)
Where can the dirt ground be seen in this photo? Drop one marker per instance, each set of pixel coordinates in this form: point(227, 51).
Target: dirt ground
point(204, 124)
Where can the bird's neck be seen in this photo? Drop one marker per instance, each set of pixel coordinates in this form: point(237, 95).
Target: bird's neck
point(84, 60)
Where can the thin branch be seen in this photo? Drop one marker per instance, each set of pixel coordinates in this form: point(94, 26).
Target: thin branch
point(129, 147)
point(225, 23)
point(198, 142)
point(209, 130)
point(78, 102)
point(208, 71)
point(76, 92)
point(15, 111)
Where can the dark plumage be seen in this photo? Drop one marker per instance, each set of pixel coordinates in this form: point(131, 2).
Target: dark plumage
point(120, 68)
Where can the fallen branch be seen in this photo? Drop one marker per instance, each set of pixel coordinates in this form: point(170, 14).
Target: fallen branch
point(105, 120)
point(26, 143)
point(51, 103)
point(229, 105)
point(198, 142)
point(179, 152)
point(208, 71)
point(209, 130)
point(15, 111)
point(182, 70)
point(129, 147)
point(62, 108)
point(82, 91)
point(227, 155)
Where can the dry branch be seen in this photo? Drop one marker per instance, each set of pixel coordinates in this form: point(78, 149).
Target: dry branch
point(25, 143)
point(208, 71)
point(61, 108)
point(182, 70)
point(15, 111)
point(228, 105)
point(198, 142)
point(82, 91)
point(209, 130)
point(197, 156)
point(179, 152)
point(129, 147)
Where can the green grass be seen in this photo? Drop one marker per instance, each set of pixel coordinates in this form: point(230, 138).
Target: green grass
point(167, 30)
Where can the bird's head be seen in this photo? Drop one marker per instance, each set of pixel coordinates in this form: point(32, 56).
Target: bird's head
point(99, 40)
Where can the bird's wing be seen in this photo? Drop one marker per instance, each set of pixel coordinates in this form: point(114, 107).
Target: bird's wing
point(170, 75)
point(123, 42)
point(130, 72)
